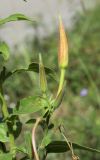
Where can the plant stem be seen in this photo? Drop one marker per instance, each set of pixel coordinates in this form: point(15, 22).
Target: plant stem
point(33, 138)
point(6, 114)
point(4, 107)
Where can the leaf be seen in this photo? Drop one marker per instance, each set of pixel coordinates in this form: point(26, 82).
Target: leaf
point(3, 133)
point(14, 17)
point(22, 149)
point(62, 146)
point(14, 124)
point(33, 67)
point(4, 50)
point(26, 147)
point(4, 75)
point(46, 140)
point(28, 144)
point(6, 156)
point(31, 121)
point(29, 105)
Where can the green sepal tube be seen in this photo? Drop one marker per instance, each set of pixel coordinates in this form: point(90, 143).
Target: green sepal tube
point(42, 76)
point(59, 97)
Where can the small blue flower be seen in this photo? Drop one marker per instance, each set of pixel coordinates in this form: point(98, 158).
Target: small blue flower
point(84, 92)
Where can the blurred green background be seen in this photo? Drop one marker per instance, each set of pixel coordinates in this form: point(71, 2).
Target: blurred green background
point(80, 110)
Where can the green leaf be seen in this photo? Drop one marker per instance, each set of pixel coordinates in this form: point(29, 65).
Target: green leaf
point(29, 105)
point(62, 146)
point(31, 121)
point(4, 50)
point(46, 140)
point(33, 67)
point(3, 133)
point(26, 147)
point(4, 75)
point(28, 144)
point(14, 17)
point(21, 148)
point(15, 125)
point(6, 156)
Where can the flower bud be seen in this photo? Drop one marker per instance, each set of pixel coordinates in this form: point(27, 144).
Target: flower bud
point(43, 81)
point(63, 46)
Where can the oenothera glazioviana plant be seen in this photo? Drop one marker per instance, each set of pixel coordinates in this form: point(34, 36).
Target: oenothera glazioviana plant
point(11, 123)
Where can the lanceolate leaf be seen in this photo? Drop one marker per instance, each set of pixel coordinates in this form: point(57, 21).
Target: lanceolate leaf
point(29, 105)
point(61, 146)
point(14, 17)
point(4, 50)
point(6, 156)
point(33, 67)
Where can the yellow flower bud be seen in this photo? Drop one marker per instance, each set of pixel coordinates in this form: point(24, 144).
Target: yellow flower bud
point(63, 46)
